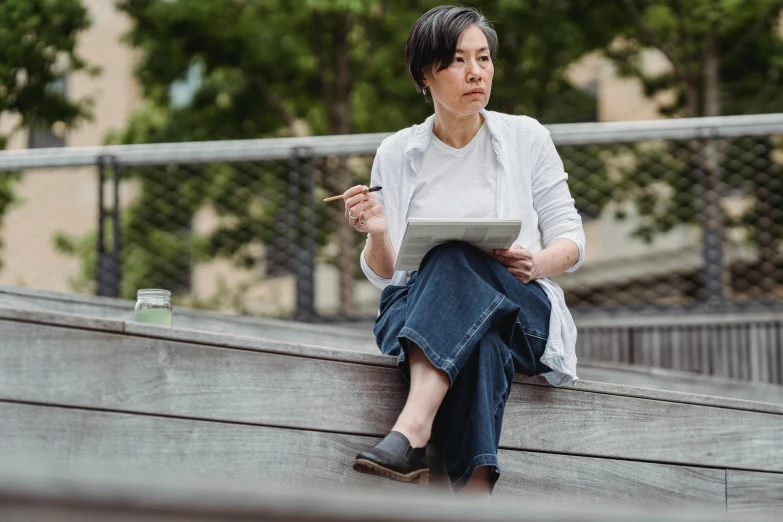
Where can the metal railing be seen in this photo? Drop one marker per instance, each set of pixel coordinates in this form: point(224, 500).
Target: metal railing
point(679, 214)
point(730, 345)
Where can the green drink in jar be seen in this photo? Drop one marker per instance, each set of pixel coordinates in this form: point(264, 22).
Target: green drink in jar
point(153, 306)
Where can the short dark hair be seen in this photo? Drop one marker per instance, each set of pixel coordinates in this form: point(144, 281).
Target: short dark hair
point(433, 40)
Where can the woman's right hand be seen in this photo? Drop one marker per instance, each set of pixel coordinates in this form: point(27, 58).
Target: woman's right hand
point(363, 211)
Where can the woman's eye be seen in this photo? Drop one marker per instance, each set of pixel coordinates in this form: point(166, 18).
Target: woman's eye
point(484, 58)
point(457, 59)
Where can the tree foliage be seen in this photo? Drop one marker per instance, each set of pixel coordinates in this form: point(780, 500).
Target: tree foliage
point(282, 68)
point(38, 49)
point(725, 57)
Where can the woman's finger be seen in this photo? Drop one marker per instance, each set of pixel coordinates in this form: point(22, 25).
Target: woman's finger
point(522, 275)
point(353, 191)
point(359, 209)
point(355, 206)
point(358, 198)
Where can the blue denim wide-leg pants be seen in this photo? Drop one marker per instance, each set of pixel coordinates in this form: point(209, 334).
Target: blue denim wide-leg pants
point(480, 325)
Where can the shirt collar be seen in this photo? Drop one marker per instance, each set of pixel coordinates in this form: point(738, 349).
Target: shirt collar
point(420, 138)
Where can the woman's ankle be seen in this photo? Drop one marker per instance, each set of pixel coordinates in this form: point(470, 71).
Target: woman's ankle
point(418, 435)
point(480, 484)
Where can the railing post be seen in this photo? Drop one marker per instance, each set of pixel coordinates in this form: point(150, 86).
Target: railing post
point(302, 194)
point(708, 162)
point(108, 269)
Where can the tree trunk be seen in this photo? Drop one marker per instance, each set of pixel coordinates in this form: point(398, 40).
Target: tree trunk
point(338, 111)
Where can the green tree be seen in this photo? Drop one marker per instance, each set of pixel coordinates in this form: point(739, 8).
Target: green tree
point(281, 68)
point(37, 49)
point(725, 57)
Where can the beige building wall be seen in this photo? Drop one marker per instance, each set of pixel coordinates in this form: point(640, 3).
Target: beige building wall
point(65, 200)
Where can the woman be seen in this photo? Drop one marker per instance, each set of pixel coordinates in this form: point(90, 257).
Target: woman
point(466, 321)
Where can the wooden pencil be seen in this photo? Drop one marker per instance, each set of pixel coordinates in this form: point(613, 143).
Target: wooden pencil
point(373, 189)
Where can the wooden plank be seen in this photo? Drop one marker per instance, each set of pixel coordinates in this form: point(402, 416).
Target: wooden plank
point(693, 350)
point(775, 376)
point(60, 319)
point(763, 361)
point(18, 336)
point(646, 349)
point(721, 361)
point(636, 346)
point(755, 353)
point(745, 353)
point(722, 347)
point(126, 373)
point(675, 318)
point(779, 350)
point(656, 348)
point(79, 438)
point(769, 348)
point(558, 420)
point(92, 439)
point(195, 336)
point(121, 309)
point(626, 340)
point(704, 352)
point(583, 344)
point(617, 346)
point(674, 380)
point(736, 352)
point(666, 347)
point(677, 340)
point(605, 481)
point(603, 346)
point(754, 492)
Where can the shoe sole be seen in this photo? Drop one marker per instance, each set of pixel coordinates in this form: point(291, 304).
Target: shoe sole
point(372, 468)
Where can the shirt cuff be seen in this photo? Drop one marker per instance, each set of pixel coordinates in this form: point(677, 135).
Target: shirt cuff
point(375, 279)
point(579, 240)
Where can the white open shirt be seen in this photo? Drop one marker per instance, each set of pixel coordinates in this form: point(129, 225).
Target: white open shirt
point(531, 186)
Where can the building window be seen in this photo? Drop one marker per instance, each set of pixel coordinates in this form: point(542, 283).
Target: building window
point(45, 136)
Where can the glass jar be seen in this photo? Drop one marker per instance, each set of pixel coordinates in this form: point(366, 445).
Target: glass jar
point(153, 306)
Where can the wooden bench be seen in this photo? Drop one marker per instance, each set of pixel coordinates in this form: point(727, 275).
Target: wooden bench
point(84, 391)
point(350, 339)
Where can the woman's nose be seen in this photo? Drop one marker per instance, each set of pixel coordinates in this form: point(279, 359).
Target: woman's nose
point(474, 70)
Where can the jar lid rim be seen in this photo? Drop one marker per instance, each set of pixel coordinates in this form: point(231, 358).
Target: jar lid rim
point(153, 291)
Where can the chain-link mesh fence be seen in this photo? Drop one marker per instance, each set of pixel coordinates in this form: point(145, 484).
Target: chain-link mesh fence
point(678, 223)
point(678, 218)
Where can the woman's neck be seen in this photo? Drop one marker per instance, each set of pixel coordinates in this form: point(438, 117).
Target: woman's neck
point(456, 131)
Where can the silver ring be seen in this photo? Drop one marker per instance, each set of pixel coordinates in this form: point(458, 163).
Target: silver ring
point(352, 216)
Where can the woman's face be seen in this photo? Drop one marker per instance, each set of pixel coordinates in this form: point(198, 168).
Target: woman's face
point(464, 86)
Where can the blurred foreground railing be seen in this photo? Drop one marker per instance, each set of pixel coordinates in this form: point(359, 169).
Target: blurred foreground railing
point(680, 215)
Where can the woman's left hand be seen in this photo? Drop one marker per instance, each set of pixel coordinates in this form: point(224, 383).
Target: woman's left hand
point(519, 261)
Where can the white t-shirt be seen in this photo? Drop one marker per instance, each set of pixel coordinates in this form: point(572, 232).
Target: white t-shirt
point(457, 183)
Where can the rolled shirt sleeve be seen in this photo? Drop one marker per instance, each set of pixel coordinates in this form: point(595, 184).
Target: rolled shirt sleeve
point(375, 180)
point(557, 215)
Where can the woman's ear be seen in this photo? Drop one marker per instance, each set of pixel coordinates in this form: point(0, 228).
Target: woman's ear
point(426, 77)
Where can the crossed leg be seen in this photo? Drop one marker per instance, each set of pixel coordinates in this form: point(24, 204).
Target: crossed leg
point(428, 387)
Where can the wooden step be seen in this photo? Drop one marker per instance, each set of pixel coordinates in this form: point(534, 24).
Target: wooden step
point(350, 339)
point(122, 310)
point(84, 391)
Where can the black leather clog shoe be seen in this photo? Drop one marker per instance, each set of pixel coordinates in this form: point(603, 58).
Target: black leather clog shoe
point(394, 458)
